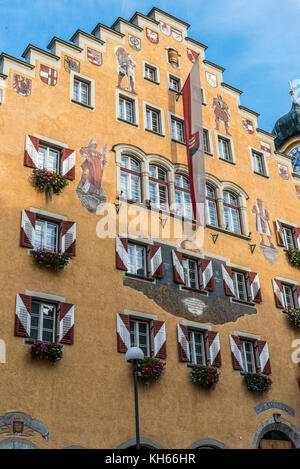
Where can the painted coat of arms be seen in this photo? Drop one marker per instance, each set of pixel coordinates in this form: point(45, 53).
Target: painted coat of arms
point(176, 34)
point(126, 67)
point(165, 28)
point(222, 113)
point(266, 148)
point(248, 126)
point(89, 189)
point(22, 85)
point(211, 79)
point(134, 42)
point(71, 64)
point(94, 56)
point(283, 171)
point(192, 55)
point(152, 36)
point(48, 75)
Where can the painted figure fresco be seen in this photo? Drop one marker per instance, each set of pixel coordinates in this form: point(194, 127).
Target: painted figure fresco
point(126, 67)
point(222, 113)
point(89, 189)
point(263, 227)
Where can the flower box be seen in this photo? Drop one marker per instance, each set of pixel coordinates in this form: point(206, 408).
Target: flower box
point(294, 256)
point(49, 182)
point(205, 376)
point(50, 259)
point(150, 370)
point(257, 383)
point(46, 351)
point(293, 315)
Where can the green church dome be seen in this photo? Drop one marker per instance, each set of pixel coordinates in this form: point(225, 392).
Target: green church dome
point(287, 126)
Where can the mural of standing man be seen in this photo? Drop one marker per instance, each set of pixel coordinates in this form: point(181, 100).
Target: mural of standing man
point(263, 227)
point(126, 67)
point(222, 113)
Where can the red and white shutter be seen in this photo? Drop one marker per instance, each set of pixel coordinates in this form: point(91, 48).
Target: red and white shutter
point(122, 260)
point(123, 332)
point(177, 266)
point(278, 293)
point(297, 236)
point(236, 353)
point(27, 229)
point(183, 343)
point(68, 163)
point(23, 315)
point(264, 358)
point(254, 287)
point(227, 280)
point(31, 151)
point(214, 348)
point(156, 263)
point(68, 238)
point(207, 275)
point(159, 340)
point(298, 295)
point(279, 233)
point(65, 323)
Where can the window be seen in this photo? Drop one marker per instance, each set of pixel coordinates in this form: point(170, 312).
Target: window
point(240, 285)
point(258, 163)
point(288, 296)
point(206, 146)
point(137, 263)
point(197, 348)
point(191, 273)
point(48, 158)
point(42, 325)
point(158, 187)
point(46, 235)
point(174, 83)
point(177, 130)
point(289, 239)
point(126, 109)
point(248, 356)
point(183, 197)
point(224, 146)
point(140, 335)
point(211, 207)
point(130, 179)
point(231, 212)
point(81, 91)
point(153, 120)
point(151, 73)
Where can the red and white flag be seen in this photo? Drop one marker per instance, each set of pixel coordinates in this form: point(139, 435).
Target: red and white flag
point(192, 109)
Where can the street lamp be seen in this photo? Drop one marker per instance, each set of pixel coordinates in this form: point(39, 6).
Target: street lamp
point(134, 355)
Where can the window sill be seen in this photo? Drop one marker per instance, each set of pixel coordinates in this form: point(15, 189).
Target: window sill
point(231, 233)
point(155, 133)
point(195, 290)
point(194, 365)
point(140, 277)
point(209, 154)
point(152, 81)
point(178, 141)
point(127, 122)
point(261, 174)
point(242, 302)
point(227, 161)
point(88, 106)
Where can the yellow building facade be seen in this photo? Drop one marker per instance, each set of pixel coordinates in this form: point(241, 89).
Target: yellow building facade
point(105, 111)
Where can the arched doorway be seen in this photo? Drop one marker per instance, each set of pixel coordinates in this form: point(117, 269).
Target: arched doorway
point(276, 434)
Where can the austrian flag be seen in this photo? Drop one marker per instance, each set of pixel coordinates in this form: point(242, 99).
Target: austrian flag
point(192, 109)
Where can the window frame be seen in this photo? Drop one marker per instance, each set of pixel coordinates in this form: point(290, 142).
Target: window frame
point(131, 172)
point(177, 120)
point(197, 263)
point(154, 69)
point(182, 190)
point(214, 201)
point(153, 110)
point(40, 329)
point(235, 273)
point(136, 343)
point(221, 138)
point(126, 100)
point(58, 235)
point(286, 227)
point(232, 207)
point(291, 287)
point(256, 154)
point(75, 76)
point(243, 341)
point(202, 333)
point(159, 182)
point(145, 259)
point(48, 147)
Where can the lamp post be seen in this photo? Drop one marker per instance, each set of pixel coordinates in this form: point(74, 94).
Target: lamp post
point(134, 355)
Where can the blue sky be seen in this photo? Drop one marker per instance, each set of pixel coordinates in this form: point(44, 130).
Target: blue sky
point(257, 42)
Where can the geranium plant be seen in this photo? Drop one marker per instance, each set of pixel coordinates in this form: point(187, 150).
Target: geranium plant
point(46, 351)
point(257, 383)
point(54, 260)
point(293, 315)
point(48, 181)
point(150, 370)
point(205, 376)
point(294, 256)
